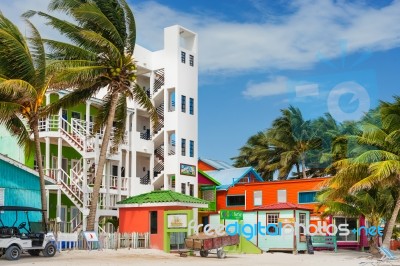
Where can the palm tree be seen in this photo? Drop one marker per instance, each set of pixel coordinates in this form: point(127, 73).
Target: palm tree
point(102, 43)
point(378, 158)
point(374, 204)
point(24, 80)
point(259, 154)
point(295, 137)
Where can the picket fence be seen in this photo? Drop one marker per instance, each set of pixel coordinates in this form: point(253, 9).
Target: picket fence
point(68, 241)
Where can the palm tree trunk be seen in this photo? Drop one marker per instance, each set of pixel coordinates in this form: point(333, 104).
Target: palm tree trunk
point(390, 225)
point(38, 155)
point(298, 169)
point(102, 160)
point(303, 166)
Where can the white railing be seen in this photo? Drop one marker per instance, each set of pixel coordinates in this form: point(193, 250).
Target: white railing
point(124, 183)
point(113, 182)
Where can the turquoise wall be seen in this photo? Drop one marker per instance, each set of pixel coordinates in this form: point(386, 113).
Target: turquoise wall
point(21, 188)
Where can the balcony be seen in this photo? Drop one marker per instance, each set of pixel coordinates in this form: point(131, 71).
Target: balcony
point(208, 193)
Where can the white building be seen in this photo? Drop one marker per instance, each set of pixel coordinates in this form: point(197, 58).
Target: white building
point(146, 161)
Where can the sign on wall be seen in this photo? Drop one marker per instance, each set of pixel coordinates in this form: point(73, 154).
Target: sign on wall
point(187, 169)
point(231, 214)
point(177, 221)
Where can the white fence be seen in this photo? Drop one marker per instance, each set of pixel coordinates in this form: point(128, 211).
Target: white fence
point(67, 241)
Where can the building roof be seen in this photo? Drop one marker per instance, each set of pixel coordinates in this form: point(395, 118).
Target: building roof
point(209, 177)
point(217, 164)
point(153, 198)
point(230, 177)
point(283, 206)
point(17, 164)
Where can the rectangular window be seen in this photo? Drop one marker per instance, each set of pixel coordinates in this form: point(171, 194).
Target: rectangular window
point(76, 115)
point(237, 200)
point(191, 60)
point(302, 221)
point(191, 148)
point(153, 222)
point(272, 219)
point(282, 195)
point(183, 147)
point(183, 103)
point(307, 197)
point(191, 106)
point(183, 188)
point(183, 57)
point(257, 198)
point(352, 224)
point(191, 190)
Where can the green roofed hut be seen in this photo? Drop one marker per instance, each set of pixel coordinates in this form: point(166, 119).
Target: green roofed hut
point(163, 213)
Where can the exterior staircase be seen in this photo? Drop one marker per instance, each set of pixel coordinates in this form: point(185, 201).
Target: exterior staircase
point(158, 80)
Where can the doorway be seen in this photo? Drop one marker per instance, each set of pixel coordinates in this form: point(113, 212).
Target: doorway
point(177, 240)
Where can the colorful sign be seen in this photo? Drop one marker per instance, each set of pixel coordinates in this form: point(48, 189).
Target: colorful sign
point(177, 221)
point(90, 236)
point(286, 220)
point(231, 214)
point(187, 169)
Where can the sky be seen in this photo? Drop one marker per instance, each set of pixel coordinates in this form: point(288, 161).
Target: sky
point(257, 57)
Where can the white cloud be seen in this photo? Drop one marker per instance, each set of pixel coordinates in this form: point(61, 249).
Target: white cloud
point(274, 86)
point(292, 42)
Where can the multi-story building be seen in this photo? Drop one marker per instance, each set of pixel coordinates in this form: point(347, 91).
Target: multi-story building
point(161, 158)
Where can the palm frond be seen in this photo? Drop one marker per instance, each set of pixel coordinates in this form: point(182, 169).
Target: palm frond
point(140, 96)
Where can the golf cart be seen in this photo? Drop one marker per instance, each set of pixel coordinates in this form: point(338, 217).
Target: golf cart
point(19, 234)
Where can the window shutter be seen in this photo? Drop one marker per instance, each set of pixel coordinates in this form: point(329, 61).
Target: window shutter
point(282, 195)
point(2, 196)
point(257, 198)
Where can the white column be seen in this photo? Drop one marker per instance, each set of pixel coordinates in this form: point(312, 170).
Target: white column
point(47, 158)
point(119, 183)
point(59, 203)
point(87, 118)
point(59, 157)
point(48, 202)
point(47, 118)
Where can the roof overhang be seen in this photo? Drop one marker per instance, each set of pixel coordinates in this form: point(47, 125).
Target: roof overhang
point(163, 204)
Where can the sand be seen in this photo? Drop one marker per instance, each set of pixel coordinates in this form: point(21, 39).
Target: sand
point(144, 257)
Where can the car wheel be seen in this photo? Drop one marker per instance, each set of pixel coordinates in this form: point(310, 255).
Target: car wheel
point(12, 253)
point(204, 253)
point(49, 250)
point(34, 252)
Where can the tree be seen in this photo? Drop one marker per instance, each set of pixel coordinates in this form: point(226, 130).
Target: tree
point(377, 158)
point(294, 137)
point(259, 154)
point(102, 44)
point(24, 79)
point(374, 204)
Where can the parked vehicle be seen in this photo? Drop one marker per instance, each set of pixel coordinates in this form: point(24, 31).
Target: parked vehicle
point(28, 236)
point(206, 243)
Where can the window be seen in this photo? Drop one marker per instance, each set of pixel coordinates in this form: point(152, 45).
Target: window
point(237, 200)
point(75, 115)
point(183, 188)
point(302, 221)
point(183, 57)
point(191, 106)
point(191, 60)
point(183, 146)
point(257, 198)
point(352, 224)
point(191, 190)
point(282, 195)
point(272, 222)
point(183, 104)
point(191, 148)
point(307, 197)
point(153, 222)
